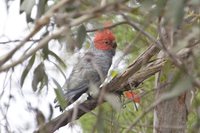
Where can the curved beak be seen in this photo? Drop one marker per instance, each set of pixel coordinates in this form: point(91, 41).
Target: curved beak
point(114, 44)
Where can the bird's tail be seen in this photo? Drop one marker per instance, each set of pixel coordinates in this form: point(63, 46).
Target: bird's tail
point(71, 95)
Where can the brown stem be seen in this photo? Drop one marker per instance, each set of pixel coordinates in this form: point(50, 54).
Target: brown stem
point(114, 85)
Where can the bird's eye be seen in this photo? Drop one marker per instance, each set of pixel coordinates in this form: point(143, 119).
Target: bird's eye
point(106, 42)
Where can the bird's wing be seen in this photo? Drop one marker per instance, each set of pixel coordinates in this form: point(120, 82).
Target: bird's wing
point(82, 75)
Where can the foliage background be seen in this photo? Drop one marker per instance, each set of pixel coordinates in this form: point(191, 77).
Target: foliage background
point(47, 67)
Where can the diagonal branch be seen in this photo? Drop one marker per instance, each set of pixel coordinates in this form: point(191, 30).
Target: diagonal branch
point(44, 20)
point(117, 84)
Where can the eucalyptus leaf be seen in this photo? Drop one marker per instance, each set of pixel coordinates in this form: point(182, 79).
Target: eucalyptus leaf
point(43, 82)
point(81, 35)
point(27, 69)
point(60, 95)
point(179, 13)
point(41, 8)
point(160, 4)
point(61, 71)
point(39, 117)
point(176, 11)
point(45, 52)
point(39, 73)
point(182, 85)
point(21, 1)
point(50, 112)
point(57, 58)
point(27, 6)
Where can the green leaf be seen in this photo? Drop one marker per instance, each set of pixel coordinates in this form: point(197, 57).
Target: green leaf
point(27, 6)
point(60, 95)
point(41, 8)
point(39, 117)
point(179, 14)
point(176, 11)
point(81, 35)
point(21, 1)
point(160, 7)
point(180, 86)
point(57, 58)
point(43, 82)
point(45, 51)
point(63, 74)
point(38, 76)
point(114, 73)
point(27, 69)
point(51, 112)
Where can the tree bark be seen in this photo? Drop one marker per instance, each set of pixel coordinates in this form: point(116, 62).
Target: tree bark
point(120, 83)
point(170, 116)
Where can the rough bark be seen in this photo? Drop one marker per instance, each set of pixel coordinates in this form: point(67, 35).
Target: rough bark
point(170, 116)
point(120, 83)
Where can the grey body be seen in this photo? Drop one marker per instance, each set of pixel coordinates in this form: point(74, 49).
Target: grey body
point(91, 68)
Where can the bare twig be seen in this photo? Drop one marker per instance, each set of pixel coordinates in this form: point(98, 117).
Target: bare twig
point(114, 85)
point(43, 21)
point(163, 98)
point(142, 60)
point(165, 126)
point(108, 27)
point(14, 41)
point(117, 84)
point(41, 44)
point(39, 24)
point(138, 28)
point(178, 62)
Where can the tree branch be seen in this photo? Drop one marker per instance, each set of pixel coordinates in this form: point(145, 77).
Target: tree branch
point(17, 40)
point(41, 44)
point(45, 20)
point(38, 25)
point(132, 75)
point(117, 84)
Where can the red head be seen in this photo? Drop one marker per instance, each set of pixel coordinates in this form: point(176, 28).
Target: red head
point(104, 40)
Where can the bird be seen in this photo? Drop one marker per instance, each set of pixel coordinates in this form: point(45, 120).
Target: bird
point(93, 67)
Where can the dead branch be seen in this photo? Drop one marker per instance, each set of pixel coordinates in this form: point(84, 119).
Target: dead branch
point(132, 75)
point(39, 24)
point(117, 84)
point(44, 20)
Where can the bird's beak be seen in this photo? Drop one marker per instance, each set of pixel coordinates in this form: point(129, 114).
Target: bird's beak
point(114, 44)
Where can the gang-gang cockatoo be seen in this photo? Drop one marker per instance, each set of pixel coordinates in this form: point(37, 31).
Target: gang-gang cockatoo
point(93, 67)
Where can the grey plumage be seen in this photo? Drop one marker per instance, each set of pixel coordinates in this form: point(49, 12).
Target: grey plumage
point(91, 68)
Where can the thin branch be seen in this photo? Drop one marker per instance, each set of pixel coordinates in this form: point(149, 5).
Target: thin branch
point(164, 126)
point(108, 27)
point(164, 97)
point(38, 25)
point(178, 62)
point(41, 44)
point(118, 82)
point(41, 22)
point(14, 41)
point(138, 28)
point(114, 85)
